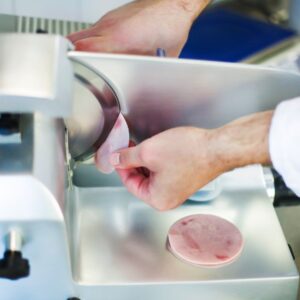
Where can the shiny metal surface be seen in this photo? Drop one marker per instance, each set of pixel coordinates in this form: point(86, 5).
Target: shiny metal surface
point(35, 75)
point(87, 175)
point(117, 243)
point(159, 93)
point(95, 111)
point(118, 246)
point(46, 249)
point(36, 83)
point(34, 171)
point(14, 240)
point(32, 203)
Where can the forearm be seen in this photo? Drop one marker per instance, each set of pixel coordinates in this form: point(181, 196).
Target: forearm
point(243, 142)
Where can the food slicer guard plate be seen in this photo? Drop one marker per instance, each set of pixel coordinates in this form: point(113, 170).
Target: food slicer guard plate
point(96, 109)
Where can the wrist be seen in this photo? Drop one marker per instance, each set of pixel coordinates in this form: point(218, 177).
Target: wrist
point(243, 142)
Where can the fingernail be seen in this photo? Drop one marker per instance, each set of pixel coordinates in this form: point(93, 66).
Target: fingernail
point(115, 159)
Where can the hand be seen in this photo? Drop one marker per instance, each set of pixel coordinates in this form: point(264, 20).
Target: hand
point(141, 27)
point(180, 161)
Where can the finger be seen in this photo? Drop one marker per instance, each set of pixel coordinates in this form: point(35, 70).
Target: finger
point(136, 183)
point(79, 35)
point(127, 158)
point(107, 45)
point(95, 44)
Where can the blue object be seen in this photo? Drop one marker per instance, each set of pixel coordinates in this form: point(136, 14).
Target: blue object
point(222, 35)
point(161, 52)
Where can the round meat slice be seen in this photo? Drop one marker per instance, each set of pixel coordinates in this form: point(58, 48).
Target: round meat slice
point(117, 139)
point(205, 240)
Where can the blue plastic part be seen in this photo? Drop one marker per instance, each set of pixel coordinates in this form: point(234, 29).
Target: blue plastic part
point(161, 52)
point(222, 35)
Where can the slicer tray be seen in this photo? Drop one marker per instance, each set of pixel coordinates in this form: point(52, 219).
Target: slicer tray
point(119, 241)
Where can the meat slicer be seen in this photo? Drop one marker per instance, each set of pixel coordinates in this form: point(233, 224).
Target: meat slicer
point(70, 232)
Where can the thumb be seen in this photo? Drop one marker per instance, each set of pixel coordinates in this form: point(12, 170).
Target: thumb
point(79, 35)
point(127, 158)
point(94, 44)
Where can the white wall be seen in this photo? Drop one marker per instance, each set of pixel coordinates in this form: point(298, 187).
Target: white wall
point(77, 10)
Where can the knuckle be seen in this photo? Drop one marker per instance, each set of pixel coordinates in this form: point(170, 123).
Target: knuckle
point(143, 153)
point(147, 154)
point(123, 158)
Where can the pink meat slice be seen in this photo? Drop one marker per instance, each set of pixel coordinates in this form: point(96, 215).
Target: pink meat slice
point(205, 240)
point(117, 139)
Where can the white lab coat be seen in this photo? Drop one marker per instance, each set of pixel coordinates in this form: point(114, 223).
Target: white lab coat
point(284, 142)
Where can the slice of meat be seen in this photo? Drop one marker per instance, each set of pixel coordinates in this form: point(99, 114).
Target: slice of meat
point(117, 139)
point(205, 240)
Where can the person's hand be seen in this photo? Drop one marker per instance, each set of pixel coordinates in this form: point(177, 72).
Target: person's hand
point(177, 163)
point(166, 169)
point(141, 27)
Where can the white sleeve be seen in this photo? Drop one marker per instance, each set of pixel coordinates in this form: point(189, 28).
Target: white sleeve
point(284, 142)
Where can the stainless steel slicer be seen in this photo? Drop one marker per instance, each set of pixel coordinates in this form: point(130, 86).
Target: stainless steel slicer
point(70, 232)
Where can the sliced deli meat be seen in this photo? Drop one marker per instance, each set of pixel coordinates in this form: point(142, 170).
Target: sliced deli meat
point(117, 139)
point(205, 240)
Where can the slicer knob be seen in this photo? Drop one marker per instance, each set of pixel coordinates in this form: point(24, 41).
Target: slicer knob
point(13, 265)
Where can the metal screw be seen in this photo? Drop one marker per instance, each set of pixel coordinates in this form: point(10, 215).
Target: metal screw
point(14, 240)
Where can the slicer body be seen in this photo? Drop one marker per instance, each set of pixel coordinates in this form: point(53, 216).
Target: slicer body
point(81, 232)
point(33, 164)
